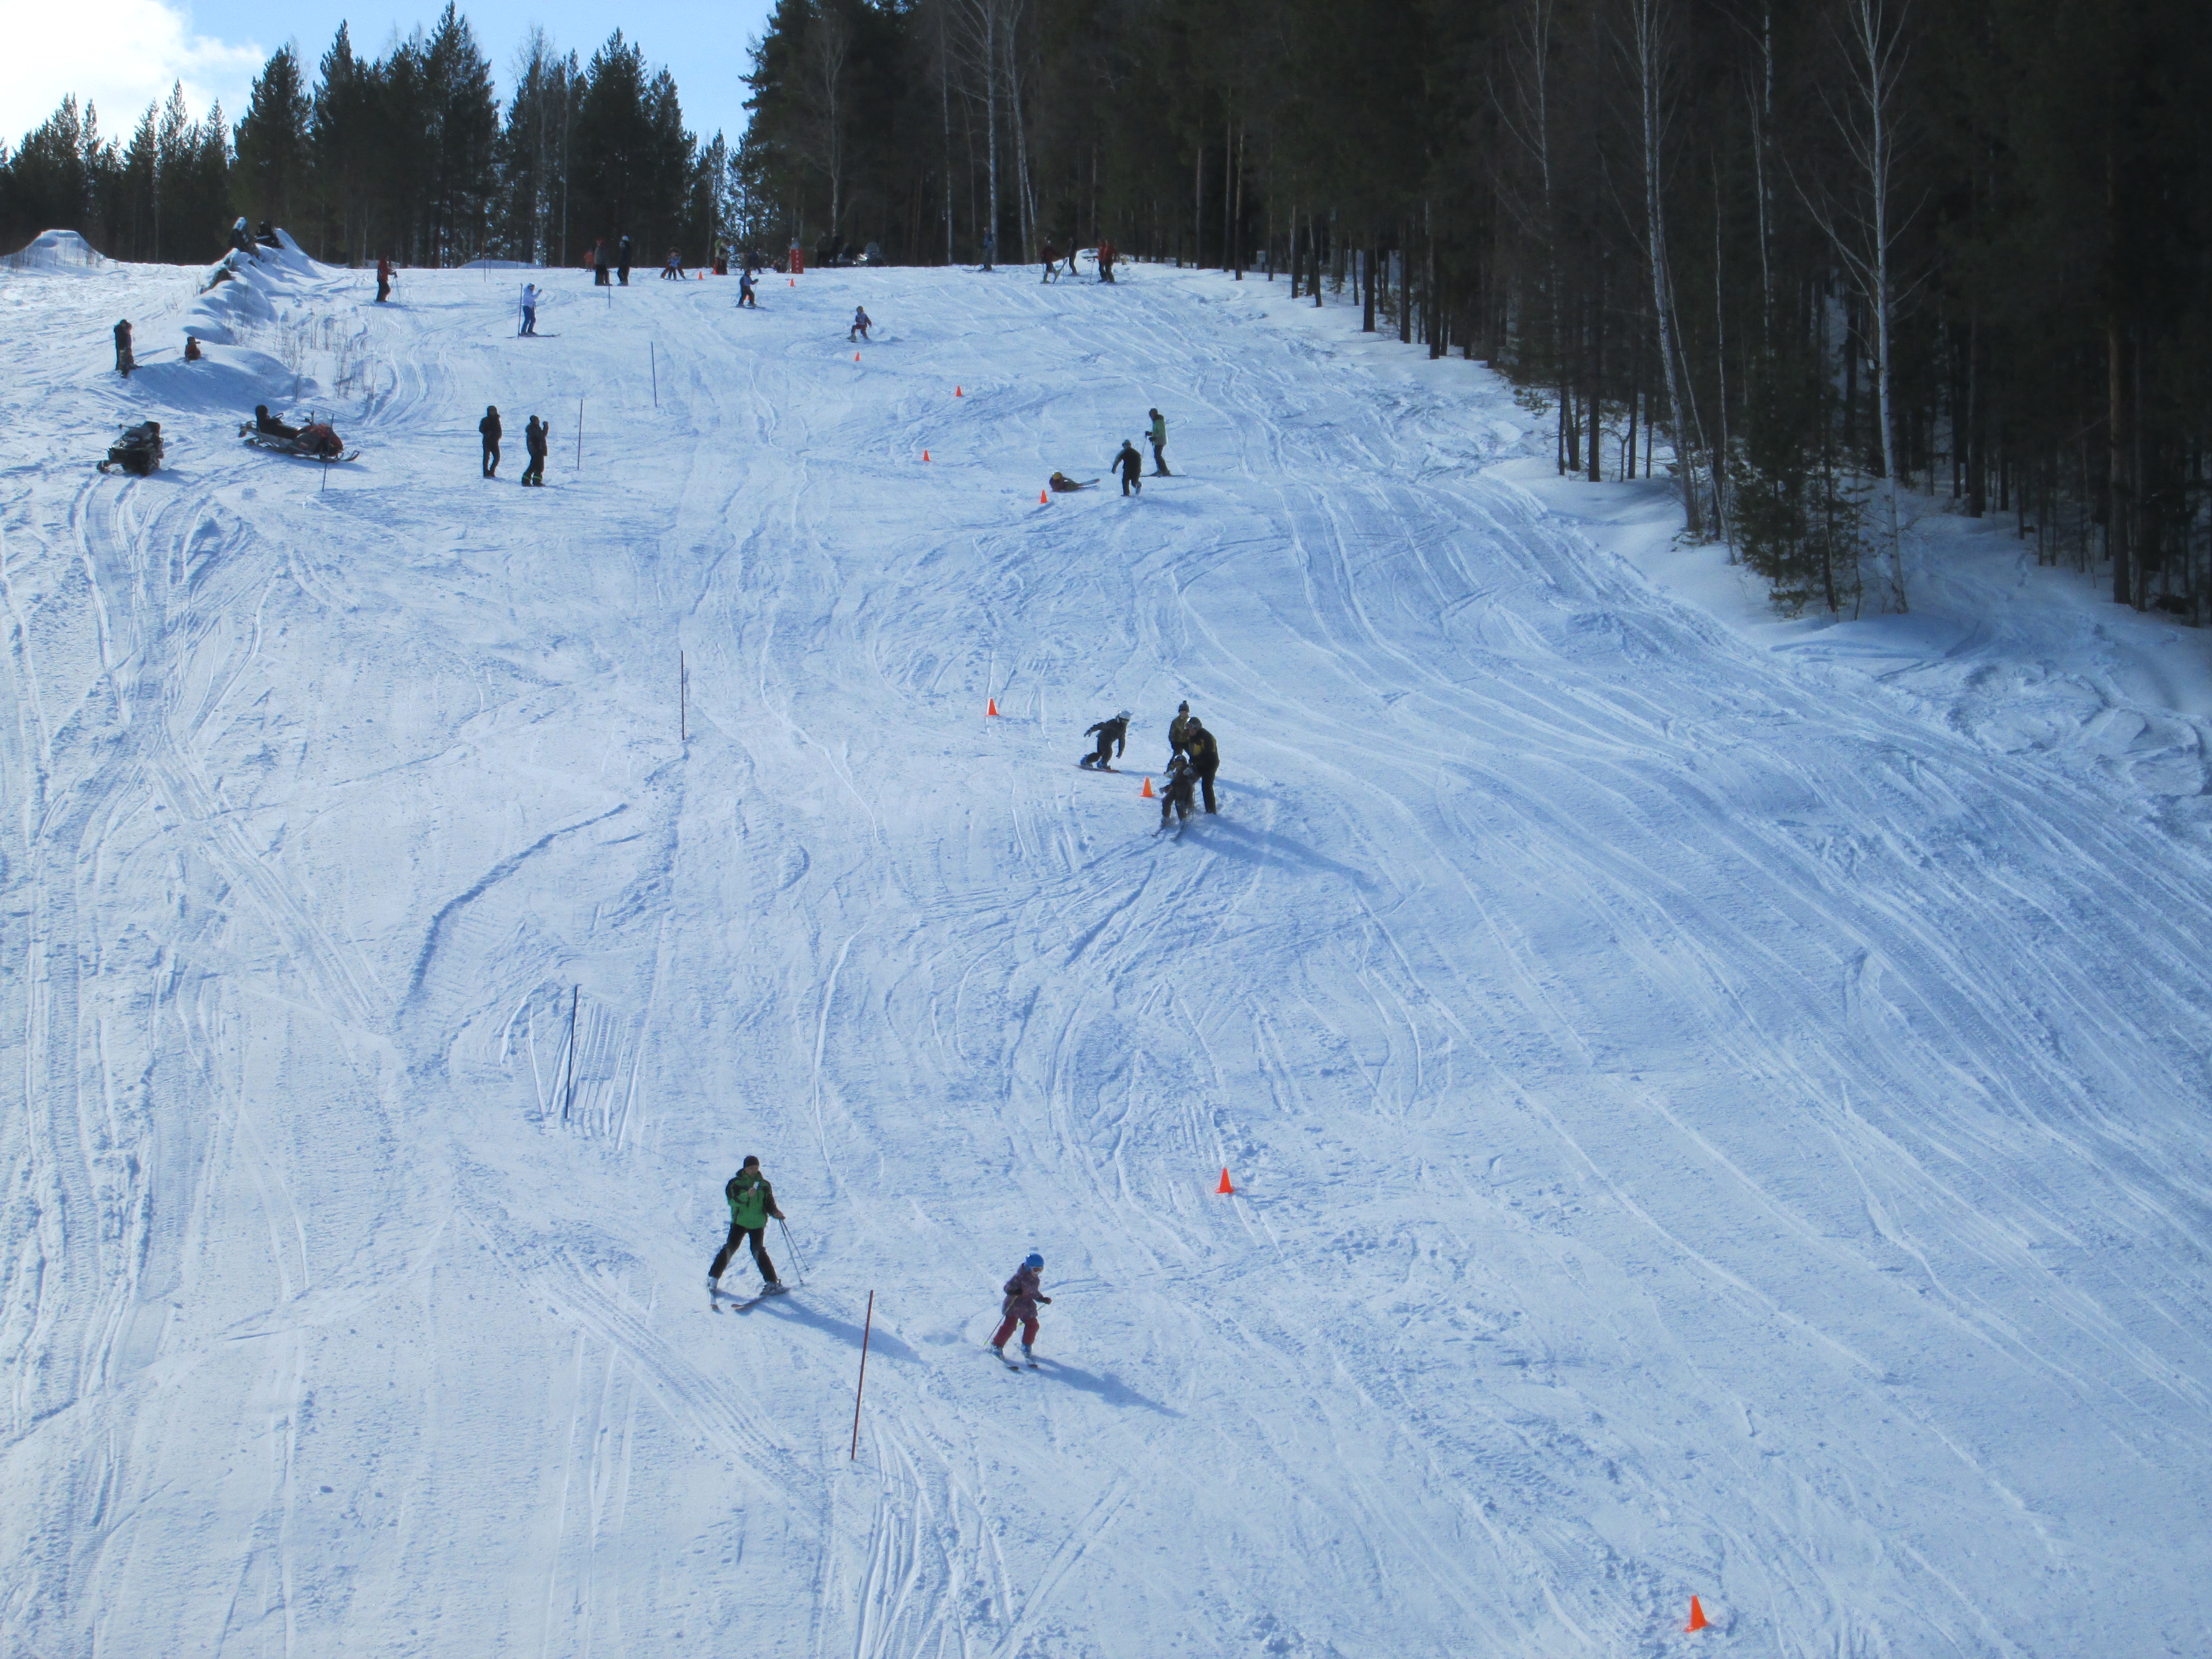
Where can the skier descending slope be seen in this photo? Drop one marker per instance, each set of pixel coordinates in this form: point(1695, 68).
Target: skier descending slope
point(1175, 794)
point(752, 1201)
point(1113, 739)
point(1022, 1297)
point(1198, 745)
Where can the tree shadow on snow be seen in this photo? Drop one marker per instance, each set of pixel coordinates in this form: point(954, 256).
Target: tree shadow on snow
point(1111, 1389)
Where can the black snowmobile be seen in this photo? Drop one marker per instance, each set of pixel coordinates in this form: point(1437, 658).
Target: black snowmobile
point(137, 452)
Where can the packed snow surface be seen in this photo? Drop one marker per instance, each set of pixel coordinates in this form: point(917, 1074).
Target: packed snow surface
point(1705, 1119)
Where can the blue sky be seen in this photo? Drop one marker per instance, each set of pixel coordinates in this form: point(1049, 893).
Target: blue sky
point(122, 53)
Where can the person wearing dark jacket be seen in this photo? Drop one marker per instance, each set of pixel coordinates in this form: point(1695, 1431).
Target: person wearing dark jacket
point(1132, 468)
point(534, 434)
point(1024, 1297)
point(124, 363)
point(752, 1201)
point(1197, 746)
point(1174, 792)
point(489, 427)
point(621, 261)
point(1113, 738)
point(264, 422)
point(383, 279)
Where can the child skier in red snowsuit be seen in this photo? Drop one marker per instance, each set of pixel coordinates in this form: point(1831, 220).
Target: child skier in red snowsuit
point(1021, 1300)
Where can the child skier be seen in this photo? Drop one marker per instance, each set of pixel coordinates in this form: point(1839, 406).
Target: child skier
point(860, 324)
point(1021, 1300)
point(1113, 738)
point(1175, 797)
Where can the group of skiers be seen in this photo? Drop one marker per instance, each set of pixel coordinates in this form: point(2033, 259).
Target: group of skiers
point(535, 433)
point(1193, 759)
point(1055, 267)
point(751, 1199)
point(1131, 464)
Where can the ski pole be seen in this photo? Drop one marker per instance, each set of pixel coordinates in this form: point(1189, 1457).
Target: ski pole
point(793, 1248)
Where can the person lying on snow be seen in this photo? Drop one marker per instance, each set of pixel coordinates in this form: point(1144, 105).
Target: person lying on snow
point(1063, 484)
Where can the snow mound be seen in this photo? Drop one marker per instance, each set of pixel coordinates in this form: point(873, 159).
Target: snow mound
point(58, 250)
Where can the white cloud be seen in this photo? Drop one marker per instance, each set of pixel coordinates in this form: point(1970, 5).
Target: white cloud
point(121, 55)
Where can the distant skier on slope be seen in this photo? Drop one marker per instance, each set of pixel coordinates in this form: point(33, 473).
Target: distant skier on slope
point(752, 1201)
point(530, 307)
point(489, 429)
point(861, 324)
point(1204, 757)
point(1132, 468)
point(1050, 256)
point(621, 261)
point(1175, 794)
point(1113, 739)
point(1160, 435)
point(535, 432)
point(383, 279)
point(745, 291)
point(1022, 1297)
point(124, 361)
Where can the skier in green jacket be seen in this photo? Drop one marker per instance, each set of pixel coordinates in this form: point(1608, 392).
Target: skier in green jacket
point(1159, 445)
point(752, 1201)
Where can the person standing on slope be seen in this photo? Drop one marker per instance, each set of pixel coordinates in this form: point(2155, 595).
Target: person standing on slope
point(530, 307)
point(621, 261)
point(1204, 758)
point(124, 361)
point(745, 290)
point(535, 432)
point(1113, 738)
point(752, 1201)
point(1179, 729)
point(1023, 1298)
point(1132, 468)
point(1106, 258)
point(1159, 445)
point(1050, 256)
point(383, 279)
point(489, 427)
point(861, 326)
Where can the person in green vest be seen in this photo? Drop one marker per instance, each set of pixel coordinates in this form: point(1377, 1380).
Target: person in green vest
point(752, 1201)
point(1159, 445)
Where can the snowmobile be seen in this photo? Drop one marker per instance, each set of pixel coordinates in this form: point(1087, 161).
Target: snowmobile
point(137, 452)
point(316, 442)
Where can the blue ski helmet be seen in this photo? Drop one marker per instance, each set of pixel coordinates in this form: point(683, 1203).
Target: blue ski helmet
point(1033, 1260)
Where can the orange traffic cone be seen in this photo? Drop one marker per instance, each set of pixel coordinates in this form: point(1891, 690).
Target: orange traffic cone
point(1224, 1187)
point(957, 392)
point(1696, 1616)
point(856, 356)
point(992, 711)
point(1044, 497)
point(1148, 790)
point(924, 454)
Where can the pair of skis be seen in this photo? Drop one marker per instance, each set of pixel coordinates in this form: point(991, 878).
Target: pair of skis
point(716, 1296)
point(999, 1354)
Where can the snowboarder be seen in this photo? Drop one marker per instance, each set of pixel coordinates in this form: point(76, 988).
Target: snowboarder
point(1204, 758)
point(124, 363)
point(1023, 1299)
point(1106, 258)
point(860, 324)
point(621, 260)
point(1132, 468)
point(383, 279)
point(1113, 738)
point(264, 422)
point(1175, 794)
point(745, 290)
point(489, 427)
point(1159, 445)
point(530, 307)
point(534, 434)
point(1179, 729)
point(752, 1201)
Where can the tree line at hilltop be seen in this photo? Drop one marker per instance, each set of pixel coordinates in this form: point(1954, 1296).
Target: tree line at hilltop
point(1809, 258)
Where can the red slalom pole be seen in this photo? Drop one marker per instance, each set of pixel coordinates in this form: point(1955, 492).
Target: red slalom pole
point(863, 1382)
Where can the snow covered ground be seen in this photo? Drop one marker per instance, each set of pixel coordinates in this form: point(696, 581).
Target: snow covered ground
point(1708, 1120)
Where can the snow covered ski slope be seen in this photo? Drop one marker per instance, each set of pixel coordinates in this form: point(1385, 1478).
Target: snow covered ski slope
point(1704, 1122)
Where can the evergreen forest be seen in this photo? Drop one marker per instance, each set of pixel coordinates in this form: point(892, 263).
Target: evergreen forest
point(1806, 256)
